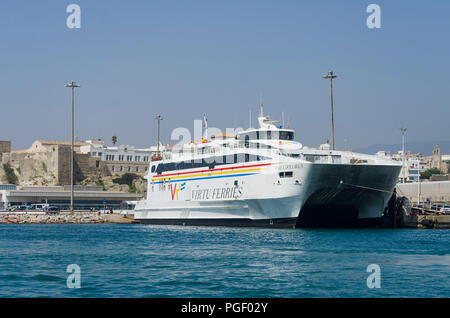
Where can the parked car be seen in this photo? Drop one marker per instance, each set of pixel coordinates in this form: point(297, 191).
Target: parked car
point(52, 209)
point(18, 208)
point(445, 208)
point(435, 207)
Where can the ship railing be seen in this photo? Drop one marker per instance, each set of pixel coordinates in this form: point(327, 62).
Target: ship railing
point(192, 153)
point(320, 158)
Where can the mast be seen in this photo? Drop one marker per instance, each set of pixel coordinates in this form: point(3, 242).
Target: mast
point(261, 106)
point(158, 118)
point(205, 127)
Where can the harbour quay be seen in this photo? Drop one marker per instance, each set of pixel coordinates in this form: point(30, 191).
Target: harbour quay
point(429, 192)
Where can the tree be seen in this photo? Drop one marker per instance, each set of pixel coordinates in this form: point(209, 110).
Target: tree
point(114, 139)
point(9, 172)
point(126, 178)
point(429, 172)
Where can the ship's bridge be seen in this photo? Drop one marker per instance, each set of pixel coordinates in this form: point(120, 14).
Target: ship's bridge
point(267, 131)
point(270, 136)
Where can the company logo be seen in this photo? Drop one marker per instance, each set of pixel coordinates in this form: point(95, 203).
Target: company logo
point(175, 188)
point(226, 193)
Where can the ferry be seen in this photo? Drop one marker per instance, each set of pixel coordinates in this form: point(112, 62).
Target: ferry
point(262, 177)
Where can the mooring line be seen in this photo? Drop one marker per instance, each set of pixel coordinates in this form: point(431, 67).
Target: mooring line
point(368, 188)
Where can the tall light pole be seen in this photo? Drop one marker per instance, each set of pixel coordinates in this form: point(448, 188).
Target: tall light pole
point(158, 118)
point(72, 85)
point(403, 130)
point(418, 184)
point(330, 76)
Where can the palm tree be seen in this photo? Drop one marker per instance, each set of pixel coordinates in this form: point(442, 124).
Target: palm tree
point(114, 139)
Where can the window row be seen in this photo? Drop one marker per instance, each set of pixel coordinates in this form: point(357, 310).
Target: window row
point(126, 158)
point(268, 134)
point(209, 163)
point(129, 169)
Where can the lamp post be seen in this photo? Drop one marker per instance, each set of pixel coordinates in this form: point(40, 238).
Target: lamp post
point(72, 85)
point(330, 76)
point(403, 130)
point(418, 184)
point(158, 118)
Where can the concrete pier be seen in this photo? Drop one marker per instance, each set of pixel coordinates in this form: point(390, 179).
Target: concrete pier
point(427, 221)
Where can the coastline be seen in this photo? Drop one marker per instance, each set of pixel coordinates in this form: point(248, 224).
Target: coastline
point(78, 217)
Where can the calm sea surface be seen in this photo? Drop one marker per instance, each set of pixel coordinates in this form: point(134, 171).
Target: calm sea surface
point(165, 261)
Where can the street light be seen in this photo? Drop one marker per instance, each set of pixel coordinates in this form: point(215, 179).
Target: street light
point(403, 130)
point(158, 118)
point(330, 76)
point(72, 85)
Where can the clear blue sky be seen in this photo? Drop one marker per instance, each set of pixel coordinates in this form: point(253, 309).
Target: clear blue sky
point(135, 59)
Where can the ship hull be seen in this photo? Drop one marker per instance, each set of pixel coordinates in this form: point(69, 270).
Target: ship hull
point(330, 195)
point(346, 195)
point(274, 213)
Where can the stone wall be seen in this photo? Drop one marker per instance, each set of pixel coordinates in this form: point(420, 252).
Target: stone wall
point(63, 164)
point(88, 167)
point(118, 168)
point(52, 167)
point(5, 147)
point(33, 169)
point(48, 166)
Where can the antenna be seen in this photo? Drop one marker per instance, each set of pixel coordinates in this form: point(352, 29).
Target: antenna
point(205, 125)
point(261, 105)
point(282, 119)
point(158, 118)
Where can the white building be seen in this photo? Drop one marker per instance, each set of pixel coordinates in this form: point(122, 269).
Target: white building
point(98, 149)
point(121, 159)
point(414, 165)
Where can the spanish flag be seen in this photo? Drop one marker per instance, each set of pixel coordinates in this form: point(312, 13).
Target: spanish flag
point(204, 141)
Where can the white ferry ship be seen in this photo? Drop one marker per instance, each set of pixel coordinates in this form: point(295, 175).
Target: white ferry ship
point(262, 177)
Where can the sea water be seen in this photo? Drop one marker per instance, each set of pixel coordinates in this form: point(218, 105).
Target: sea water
point(168, 261)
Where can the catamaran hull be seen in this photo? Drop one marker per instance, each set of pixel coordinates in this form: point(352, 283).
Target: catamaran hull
point(276, 213)
point(330, 196)
point(346, 195)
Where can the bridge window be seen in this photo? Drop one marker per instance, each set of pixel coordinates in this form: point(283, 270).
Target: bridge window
point(246, 141)
point(286, 135)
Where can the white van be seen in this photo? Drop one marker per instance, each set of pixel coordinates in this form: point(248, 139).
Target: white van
point(40, 206)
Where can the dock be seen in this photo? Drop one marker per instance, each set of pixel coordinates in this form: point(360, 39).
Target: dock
point(426, 220)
